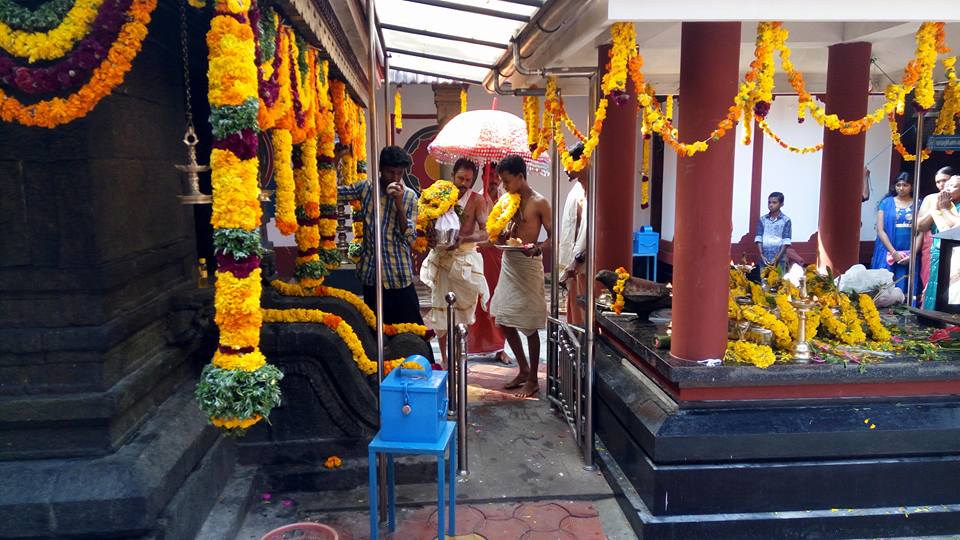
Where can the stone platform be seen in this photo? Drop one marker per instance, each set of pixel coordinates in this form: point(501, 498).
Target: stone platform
point(793, 451)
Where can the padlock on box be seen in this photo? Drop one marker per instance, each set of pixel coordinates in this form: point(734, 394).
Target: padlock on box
point(413, 403)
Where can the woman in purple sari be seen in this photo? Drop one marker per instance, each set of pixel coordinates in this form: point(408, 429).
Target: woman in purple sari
point(894, 231)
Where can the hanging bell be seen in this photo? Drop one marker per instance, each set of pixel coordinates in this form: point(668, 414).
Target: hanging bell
point(193, 170)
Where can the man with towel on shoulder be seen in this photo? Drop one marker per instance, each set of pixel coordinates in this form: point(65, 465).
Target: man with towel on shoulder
point(519, 302)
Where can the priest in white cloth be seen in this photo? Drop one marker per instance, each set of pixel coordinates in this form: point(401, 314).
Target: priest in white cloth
point(457, 266)
point(573, 240)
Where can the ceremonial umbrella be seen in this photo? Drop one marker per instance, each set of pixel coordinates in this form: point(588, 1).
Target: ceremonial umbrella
point(485, 136)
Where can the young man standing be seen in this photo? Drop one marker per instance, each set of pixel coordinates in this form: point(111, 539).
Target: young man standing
point(519, 303)
point(398, 205)
point(458, 267)
point(774, 233)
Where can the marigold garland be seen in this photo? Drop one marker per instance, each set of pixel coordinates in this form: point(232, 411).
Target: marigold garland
point(110, 73)
point(463, 100)
point(283, 177)
point(501, 214)
point(238, 388)
point(950, 110)
point(745, 352)
point(761, 317)
point(645, 172)
point(56, 42)
point(872, 317)
point(397, 110)
point(619, 301)
point(435, 201)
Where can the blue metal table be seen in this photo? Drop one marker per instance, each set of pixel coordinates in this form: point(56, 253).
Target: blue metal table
point(447, 440)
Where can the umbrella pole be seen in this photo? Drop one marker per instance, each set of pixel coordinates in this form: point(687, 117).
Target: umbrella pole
point(373, 166)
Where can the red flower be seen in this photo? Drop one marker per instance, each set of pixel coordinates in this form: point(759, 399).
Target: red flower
point(944, 334)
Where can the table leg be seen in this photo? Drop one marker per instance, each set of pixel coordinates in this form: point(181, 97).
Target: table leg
point(391, 497)
point(452, 503)
point(440, 489)
point(372, 495)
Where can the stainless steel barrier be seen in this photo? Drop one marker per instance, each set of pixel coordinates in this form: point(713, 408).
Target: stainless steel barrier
point(451, 355)
point(568, 387)
point(461, 362)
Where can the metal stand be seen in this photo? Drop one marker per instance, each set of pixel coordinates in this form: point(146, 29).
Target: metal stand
point(590, 320)
point(451, 366)
point(461, 362)
point(912, 275)
point(553, 328)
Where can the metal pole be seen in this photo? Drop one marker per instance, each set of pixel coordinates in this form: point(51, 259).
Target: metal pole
point(451, 299)
point(462, 400)
point(912, 276)
point(374, 175)
point(552, 344)
point(590, 323)
point(387, 127)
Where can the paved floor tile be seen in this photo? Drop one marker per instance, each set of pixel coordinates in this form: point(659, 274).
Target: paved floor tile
point(541, 517)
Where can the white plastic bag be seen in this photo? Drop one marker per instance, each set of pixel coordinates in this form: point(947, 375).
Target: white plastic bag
point(860, 280)
point(448, 228)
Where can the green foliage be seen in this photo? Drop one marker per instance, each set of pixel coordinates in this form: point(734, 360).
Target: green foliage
point(233, 118)
point(312, 270)
point(237, 243)
point(355, 250)
point(328, 210)
point(224, 393)
point(45, 17)
point(330, 257)
point(268, 34)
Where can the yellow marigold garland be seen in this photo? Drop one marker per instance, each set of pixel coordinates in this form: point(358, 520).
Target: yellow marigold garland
point(619, 301)
point(848, 315)
point(872, 317)
point(789, 315)
point(501, 214)
point(950, 110)
point(762, 317)
point(745, 352)
point(463, 100)
point(110, 73)
point(397, 110)
point(56, 42)
point(435, 201)
point(283, 177)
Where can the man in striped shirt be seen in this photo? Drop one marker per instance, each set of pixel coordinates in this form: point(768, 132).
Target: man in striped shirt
point(398, 205)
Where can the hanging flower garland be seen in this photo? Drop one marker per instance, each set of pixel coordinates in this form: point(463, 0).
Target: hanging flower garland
point(75, 67)
point(645, 171)
point(283, 177)
point(329, 253)
point(463, 100)
point(310, 270)
point(950, 110)
point(360, 143)
point(501, 214)
point(397, 110)
point(619, 302)
point(108, 74)
point(872, 317)
point(55, 42)
point(531, 112)
point(762, 123)
point(898, 143)
point(238, 388)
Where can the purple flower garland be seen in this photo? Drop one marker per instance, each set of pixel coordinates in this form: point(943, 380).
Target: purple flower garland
point(75, 69)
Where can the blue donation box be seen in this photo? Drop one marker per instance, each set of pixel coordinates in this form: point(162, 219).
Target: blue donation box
point(413, 403)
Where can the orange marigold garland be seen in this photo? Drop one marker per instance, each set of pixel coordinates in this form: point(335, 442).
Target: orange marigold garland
point(284, 180)
point(238, 388)
point(329, 253)
point(645, 171)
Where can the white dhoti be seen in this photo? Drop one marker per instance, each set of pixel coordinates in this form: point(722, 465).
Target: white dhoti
point(519, 301)
point(459, 271)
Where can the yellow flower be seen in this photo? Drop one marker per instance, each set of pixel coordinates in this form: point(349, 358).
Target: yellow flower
point(745, 352)
point(235, 423)
point(235, 191)
point(435, 201)
point(237, 304)
point(56, 42)
point(333, 462)
point(283, 175)
point(501, 214)
point(241, 362)
point(619, 301)
point(872, 318)
point(397, 110)
point(761, 317)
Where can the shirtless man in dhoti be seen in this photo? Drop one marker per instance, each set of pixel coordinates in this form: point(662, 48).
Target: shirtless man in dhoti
point(519, 302)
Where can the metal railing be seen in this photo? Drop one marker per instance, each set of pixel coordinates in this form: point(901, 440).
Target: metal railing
point(568, 380)
point(457, 380)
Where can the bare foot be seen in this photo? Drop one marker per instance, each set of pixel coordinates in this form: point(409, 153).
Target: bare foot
point(530, 389)
point(516, 382)
point(502, 358)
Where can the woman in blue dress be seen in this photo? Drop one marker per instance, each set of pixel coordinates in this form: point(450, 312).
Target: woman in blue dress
point(894, 231)
point(945, 217)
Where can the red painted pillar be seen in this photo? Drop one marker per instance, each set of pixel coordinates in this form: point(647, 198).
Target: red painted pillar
point(616, 177)
point(841, 177)
point(709, 73)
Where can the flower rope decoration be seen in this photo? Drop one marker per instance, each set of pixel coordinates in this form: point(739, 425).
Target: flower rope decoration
point(329, 253)
point(288, 289)
point(238, 388)
point(397, 110)
point(872, 317)
point(310, 269)
point(107, 76)
point(501, 214)
point(335, 323)
point(463, 100)
point(55, 42)
point(619, 301)
point(950, 110)
point(761, 317)
point(434, 202)
point(645, 171)
point(283, 177)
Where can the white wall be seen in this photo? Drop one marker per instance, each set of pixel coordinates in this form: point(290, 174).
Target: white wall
point(797, 176)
